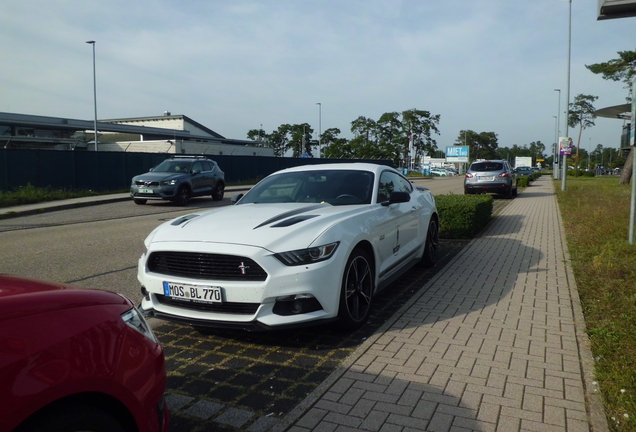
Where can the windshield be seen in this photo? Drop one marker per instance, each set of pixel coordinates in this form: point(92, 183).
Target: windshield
point(336, 187)
point(173, 166)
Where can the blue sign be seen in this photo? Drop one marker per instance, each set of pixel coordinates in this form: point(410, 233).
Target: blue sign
point(457, 151)
point(457, 154)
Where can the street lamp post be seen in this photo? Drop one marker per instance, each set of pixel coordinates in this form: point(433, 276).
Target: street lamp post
point(94, 94)
point(556, 143)
point(567, 112)
point(555, 166)
point(319, 129)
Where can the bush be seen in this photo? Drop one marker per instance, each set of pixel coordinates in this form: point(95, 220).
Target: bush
point(523, 181)
point(463, 216)
point(580, 173)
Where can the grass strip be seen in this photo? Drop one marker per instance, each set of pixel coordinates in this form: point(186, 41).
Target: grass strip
point(595, 214)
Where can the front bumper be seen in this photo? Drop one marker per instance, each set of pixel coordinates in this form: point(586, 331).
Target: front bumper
point(158, 193)
point(251, 305)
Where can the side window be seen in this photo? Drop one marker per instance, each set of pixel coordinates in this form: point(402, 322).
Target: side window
point(405, 185)
point(385, 187)
point(207, 166)
point(197, 166)
point(391, 182)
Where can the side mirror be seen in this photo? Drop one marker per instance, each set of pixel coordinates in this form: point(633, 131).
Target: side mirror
point(397, 197)
point(236, 198)
point(196, 171)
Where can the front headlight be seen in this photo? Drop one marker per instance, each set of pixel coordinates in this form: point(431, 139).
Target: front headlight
point(307, 256)
point(168, 182)
point(135, 320)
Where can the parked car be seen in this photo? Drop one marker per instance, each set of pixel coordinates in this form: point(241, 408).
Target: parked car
point(178, 179)
point(524, 170)
point(439, 172)
point(491, 176)
point(306, 245)
point(75, 359)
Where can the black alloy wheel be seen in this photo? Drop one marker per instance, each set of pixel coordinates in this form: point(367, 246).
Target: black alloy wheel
point(357, 290)
point(183, 196)
point(218, 191)
point(431, 247)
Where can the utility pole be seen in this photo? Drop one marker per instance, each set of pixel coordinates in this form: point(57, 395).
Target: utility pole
point(567, 115)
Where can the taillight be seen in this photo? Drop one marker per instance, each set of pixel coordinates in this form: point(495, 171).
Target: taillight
point(505, 174)
point(469, 175)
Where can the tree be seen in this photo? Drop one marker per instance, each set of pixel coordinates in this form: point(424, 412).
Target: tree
point(418, 125)
point(278, 140)
point(330, 138)
point(582, 113)
point(620, 69)
point(300, 141)
point(481, 145)
point(390, 135)
point(257, 135)
point(363, 126)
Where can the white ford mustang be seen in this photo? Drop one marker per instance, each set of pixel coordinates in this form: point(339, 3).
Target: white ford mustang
point(306, 245)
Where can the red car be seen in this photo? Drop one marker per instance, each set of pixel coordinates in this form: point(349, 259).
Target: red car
point(74, 359)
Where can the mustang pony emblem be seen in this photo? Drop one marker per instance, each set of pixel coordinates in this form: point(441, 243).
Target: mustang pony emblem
point(243, 267)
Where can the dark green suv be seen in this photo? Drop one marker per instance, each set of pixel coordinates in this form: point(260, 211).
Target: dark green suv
point(178, 179)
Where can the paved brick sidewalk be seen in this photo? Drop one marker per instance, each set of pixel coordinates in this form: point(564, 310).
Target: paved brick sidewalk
point(495, 342)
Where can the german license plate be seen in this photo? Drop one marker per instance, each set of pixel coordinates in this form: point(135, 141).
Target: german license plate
point(486, 178)
point(146, 191)
point(194, 293)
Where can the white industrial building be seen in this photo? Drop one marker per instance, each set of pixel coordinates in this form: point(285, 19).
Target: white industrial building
point(160, 134)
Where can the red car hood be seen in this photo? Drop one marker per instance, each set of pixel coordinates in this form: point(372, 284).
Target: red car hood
point(25, 296)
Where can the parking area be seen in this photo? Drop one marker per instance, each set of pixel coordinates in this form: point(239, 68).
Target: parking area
point(227, 380)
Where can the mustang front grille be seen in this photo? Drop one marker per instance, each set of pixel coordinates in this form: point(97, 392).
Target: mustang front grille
point(206, 266)
point(227, 307)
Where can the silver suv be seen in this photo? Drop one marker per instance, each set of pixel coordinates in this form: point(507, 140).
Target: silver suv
point(487, 176)
point(178, 179)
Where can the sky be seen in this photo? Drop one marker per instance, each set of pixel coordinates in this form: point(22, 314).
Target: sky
point(485, 65)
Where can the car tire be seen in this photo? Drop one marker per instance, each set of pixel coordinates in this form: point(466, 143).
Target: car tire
point(140, 201)
point(73, 418)
point(218, 191)
point(515, 191)
point(356, 293)
point(467, 192)
point(431, 246)
point(509, 194)
point(183, 196)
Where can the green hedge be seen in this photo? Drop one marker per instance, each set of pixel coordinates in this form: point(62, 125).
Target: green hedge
point(523, 181)
point(463, 216)
point(581, 173)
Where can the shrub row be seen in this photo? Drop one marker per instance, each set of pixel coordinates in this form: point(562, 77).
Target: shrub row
point(463, 216)
point(581, 173)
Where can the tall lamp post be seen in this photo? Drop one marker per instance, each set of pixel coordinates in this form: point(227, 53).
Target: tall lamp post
point(555, 166)
point(94, 94)
point(556, 143)
point(567, 112)
point(319, 129)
